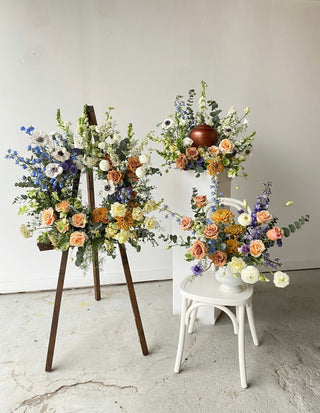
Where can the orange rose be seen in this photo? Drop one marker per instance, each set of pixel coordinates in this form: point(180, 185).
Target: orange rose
point(200, 201)
point(214, 150)
point(133, 163)
point(198, 250)
point(215, 167)
point(115, 176)
point(256, 247)
point(48, 217)
point(192, 153)
point(275, 233)
point(182, 161)
point(78, 239)
point(63, 206)
point(186, 223)
point(219, 258)
point(226, 146)
point(211, 231)
point(100, 215)
point(263, 217)
point(79, 220)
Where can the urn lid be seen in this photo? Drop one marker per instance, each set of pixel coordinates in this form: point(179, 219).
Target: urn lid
point(204, 135)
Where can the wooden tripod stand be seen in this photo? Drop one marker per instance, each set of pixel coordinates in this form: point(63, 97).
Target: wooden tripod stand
point(96, 274)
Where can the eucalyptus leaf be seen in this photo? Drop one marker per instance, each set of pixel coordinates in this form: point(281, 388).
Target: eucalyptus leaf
point(292, 228)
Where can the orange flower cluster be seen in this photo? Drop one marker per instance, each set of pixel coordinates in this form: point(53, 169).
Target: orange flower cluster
point(215, 167)
point(232, 246)
point(100, 215)
point(222, 215)
point(235, 229)
point(125, 222)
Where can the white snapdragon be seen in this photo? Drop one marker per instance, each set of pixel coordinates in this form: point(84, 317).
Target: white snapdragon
point(250, 274)
point(78, 142)
point(281, 279)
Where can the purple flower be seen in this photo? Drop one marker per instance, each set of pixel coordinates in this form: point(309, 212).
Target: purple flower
point(244, 249)
point(197, 269)
point(73, 169)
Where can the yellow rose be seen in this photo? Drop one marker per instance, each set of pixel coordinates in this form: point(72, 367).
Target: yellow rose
point(122, 236)
point(137, 214)
point(150, 223)
point(118, 210)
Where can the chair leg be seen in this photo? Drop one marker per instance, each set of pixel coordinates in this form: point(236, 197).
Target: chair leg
point(252, 324)
point(192, 320)
point(242, 364)
point(181, 335)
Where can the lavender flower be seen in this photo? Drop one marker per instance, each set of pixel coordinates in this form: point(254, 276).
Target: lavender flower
point(197, 269)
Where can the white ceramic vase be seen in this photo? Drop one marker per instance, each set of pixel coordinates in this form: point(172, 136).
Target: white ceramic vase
point(228, 282)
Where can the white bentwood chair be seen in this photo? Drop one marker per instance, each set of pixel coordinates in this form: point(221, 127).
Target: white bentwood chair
point(205, 291)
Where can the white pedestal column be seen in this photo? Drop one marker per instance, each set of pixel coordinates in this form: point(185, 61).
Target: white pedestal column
point(182, 184)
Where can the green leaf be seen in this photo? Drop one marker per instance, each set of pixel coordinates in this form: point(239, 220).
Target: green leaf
point(297, 224)
point(286, 232)
point(292, 228)
point(302, 220)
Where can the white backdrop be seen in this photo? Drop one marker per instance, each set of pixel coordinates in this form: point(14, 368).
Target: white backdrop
point(136, 56)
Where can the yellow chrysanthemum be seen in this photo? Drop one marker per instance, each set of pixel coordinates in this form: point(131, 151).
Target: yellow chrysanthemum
point(235, 229)
point(222, 215)
point(232, 246)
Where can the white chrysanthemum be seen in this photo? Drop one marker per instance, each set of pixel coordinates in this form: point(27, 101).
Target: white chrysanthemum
point(244, 219)
point(166, 124)
point(150, 223)
point(141, 172)
point(137, 214)
point(236, 265)
point(61, 154)
point(108, 188)
point(53, 170)
point(250, 274)
point(40, 139)
point(118, 210)
point(104, 165)
point(144, 158)
point(281, 279)
point(187, 142)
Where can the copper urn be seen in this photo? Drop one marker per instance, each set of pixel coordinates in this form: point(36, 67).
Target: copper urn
point(204, 135)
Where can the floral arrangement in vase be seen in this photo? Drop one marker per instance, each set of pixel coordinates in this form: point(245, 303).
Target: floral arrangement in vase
point(202, 140)
point(51, 200)
point(238, 244)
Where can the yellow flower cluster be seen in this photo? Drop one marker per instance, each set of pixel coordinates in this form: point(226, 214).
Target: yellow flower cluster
point(232, 246)
point(235, 229)
point(222, 215)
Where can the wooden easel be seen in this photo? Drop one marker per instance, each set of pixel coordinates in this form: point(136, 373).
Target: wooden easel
point(96, 274)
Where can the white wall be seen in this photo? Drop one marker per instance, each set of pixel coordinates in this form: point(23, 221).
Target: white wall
point(136, 56)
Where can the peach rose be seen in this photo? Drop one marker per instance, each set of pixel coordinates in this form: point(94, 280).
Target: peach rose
point(115, 176)
point(213, 150)
point(79, 220)
point(133, 163)
point(256, 247)
point(182, 161)
point(263, 217)
point(200, 201)
point(219, 258)
point(48, 217)
point(275, 233)
point(211, 231)
point(198, 250)
point(192, 153)
point(63, 206)
point(78, 238)
point(186, 223)
point(226, 146)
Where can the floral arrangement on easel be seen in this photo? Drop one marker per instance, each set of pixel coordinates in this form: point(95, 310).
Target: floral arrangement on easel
point(51, 200)
point(241, 245)
point(183, 147)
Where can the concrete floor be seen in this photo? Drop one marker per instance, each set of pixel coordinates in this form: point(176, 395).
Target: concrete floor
point(99, 368)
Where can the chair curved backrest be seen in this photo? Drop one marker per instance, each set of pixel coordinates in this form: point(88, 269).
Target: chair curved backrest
point(235, 203)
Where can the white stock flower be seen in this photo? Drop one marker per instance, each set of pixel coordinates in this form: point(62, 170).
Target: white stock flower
point(236, 265)
point(166, 124)
point(104, 165)
point(102, 145)
point(108, 188)
point(61, 154)
point(90, 162)
point(250, 274)
point(144, 158)
point(244, 219)
point(141, 172)
point(182, 122)
point(53, 170)
point(281, 279)
point(40, 139)
point(78, 142)
point(187, 142)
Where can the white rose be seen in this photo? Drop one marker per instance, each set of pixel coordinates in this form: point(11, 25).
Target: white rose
point(236, 265)
point(281, 279)
point(250, 274)
point(150, 223)
point(244, 219)
point(118, 210)
point(141, 172)
point(144, 158)
point(104, 165)
point(187, 142)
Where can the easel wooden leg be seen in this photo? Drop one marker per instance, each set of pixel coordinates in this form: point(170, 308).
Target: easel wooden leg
point(56, 310)
point(96, 275)
point(133, 299)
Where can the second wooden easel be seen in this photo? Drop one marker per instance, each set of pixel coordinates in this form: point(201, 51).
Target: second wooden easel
point(95, 267)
